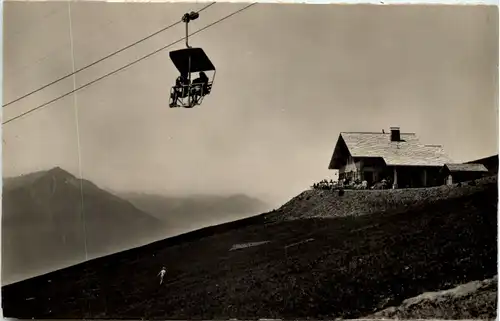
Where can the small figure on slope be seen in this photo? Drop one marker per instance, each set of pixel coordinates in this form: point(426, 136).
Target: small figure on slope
point(162, 274)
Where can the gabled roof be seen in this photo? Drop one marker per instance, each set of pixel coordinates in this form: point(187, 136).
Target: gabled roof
point(466, 167)
point(407, 152)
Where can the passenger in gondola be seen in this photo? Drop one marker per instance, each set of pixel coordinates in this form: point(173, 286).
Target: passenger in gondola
point(200, 86)
point(180, 89)
point(202, 79)
point(182, 83)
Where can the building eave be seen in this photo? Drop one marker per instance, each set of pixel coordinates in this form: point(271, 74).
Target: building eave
point(333, 163)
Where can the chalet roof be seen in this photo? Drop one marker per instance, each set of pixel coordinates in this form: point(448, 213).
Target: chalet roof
point(466, 167)
point(407, 152)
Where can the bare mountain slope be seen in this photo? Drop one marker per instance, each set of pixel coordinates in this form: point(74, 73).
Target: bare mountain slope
point(43, 227)
point(345, 266)
point(473, 300)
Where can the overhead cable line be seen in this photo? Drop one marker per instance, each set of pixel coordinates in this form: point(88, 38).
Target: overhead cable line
point(102, 59)
point(128, 65)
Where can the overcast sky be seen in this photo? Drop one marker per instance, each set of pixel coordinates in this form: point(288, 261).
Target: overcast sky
point(290, 77)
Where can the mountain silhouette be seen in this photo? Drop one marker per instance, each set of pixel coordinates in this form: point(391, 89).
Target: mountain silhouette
point(183, 213)
point(45, 226)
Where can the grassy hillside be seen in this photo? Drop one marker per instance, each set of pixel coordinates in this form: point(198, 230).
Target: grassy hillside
point(349, 267)
point(321, 203)
point(45, 227)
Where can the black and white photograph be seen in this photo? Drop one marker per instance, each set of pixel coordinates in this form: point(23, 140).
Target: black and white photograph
point(246, 160)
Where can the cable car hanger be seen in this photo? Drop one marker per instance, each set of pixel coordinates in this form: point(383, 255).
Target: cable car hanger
point(187, 18)
point(190, 60)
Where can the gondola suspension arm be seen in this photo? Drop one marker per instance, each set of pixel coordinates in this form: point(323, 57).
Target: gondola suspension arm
point(187, 18)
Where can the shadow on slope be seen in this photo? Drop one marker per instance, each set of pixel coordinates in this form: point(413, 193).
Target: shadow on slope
point(352, 267)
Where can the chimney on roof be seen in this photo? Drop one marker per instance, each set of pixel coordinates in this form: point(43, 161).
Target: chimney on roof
point(395, 134)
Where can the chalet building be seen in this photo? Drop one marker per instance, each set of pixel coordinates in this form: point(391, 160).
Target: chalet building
point(395, 156)
point(455, 173)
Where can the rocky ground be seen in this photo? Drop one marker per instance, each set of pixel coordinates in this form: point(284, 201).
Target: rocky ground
point(473, 300)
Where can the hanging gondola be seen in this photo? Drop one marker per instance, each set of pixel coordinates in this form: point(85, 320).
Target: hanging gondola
point(186, 92)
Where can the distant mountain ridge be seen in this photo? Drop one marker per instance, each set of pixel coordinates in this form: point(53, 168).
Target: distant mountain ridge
point(196, 211)
point(45, 226)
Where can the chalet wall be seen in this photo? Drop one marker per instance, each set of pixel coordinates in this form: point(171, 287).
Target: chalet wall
point(373, 170)
point(466, 176)
point(362, 169)
point(433, 176)
point(350, 166)
point(418, 176)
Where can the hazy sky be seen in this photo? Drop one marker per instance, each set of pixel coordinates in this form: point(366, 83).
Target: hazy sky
point(290, 77)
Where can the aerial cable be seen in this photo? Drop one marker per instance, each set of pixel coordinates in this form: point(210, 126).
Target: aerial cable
point(102, 59)
point(127, 65)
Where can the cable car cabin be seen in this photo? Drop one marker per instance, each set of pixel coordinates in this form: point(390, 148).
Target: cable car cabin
point(193, 84)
